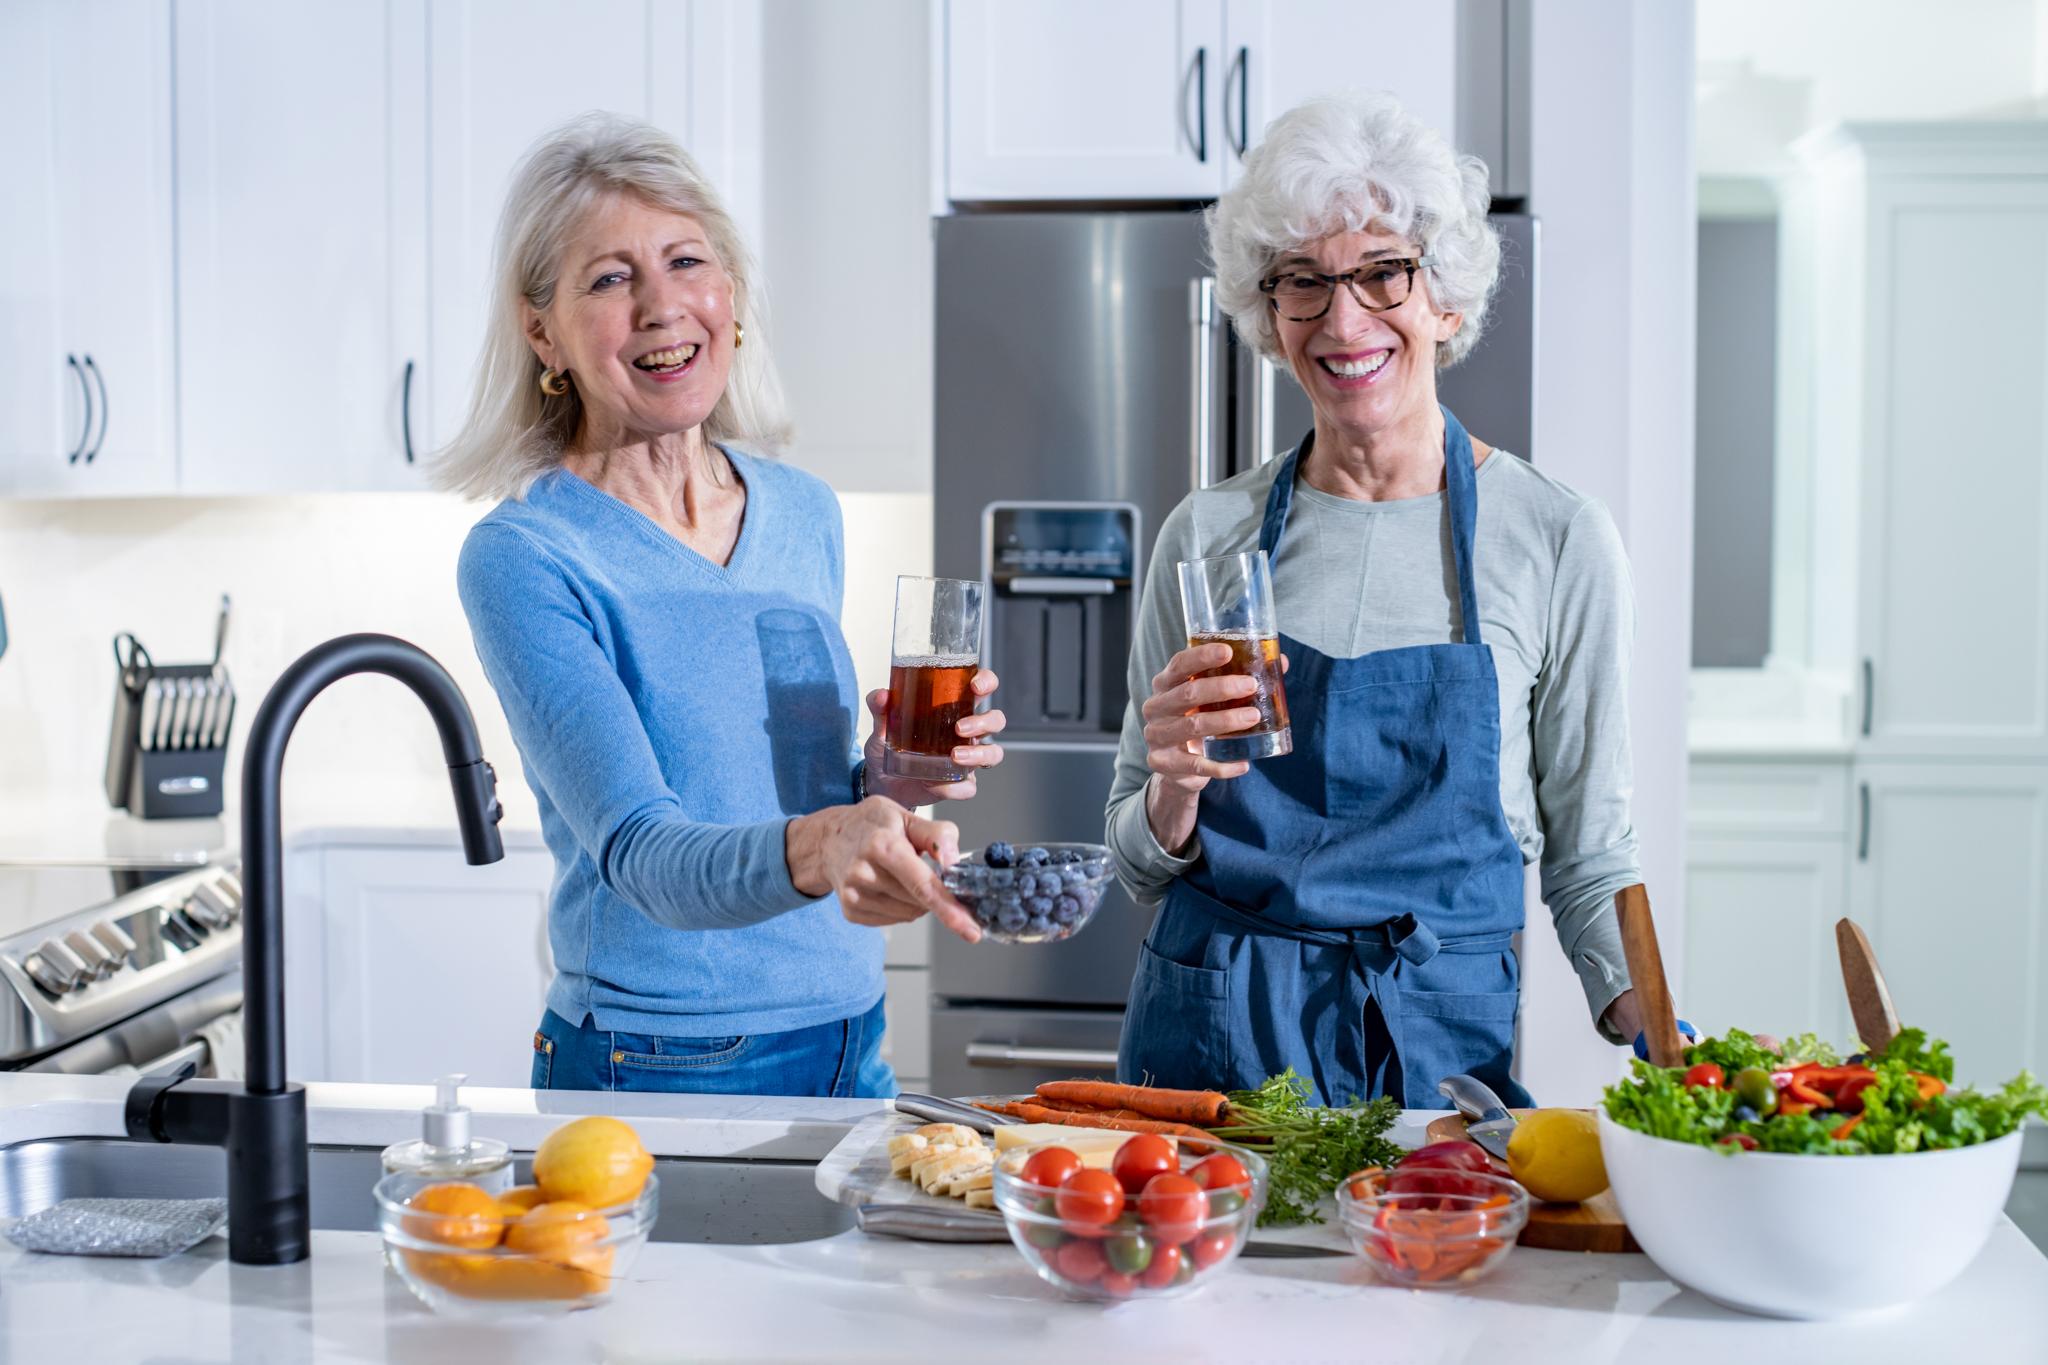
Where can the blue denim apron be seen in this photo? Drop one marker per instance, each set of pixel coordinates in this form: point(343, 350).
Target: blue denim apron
point(1350, 916)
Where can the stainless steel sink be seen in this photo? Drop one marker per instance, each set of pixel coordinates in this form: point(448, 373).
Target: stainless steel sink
point(702, 1200)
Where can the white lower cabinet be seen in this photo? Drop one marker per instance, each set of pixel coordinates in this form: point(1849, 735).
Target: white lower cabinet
point(1759, 935)
point(403, 963)
point(1948, 880)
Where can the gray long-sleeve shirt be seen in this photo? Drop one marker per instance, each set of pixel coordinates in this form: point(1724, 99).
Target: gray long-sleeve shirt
point(1350, 577)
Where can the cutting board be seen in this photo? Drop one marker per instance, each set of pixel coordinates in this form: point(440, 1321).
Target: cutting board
point(1594, 1225)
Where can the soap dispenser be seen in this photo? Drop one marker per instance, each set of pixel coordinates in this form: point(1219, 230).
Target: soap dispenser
point(445, 1150)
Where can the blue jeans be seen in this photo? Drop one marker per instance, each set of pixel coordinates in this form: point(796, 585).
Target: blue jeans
point(842, 1059)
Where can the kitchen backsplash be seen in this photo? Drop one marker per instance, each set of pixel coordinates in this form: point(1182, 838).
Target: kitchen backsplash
point(300, 570)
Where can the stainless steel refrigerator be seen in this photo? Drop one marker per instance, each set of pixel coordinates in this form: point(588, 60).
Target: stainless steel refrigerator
point(1086, 382)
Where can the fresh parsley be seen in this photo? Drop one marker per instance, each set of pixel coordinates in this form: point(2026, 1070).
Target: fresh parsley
point(1309, 1150)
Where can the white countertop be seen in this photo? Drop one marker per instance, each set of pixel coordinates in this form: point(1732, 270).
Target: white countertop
point(856, 1298)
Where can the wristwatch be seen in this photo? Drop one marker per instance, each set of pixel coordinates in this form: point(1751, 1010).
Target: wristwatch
point(860, 782)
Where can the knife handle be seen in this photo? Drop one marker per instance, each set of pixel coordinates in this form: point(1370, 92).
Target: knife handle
point(1473, 1098)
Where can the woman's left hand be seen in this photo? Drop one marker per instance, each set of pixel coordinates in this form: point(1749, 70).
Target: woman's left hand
point(977, 750)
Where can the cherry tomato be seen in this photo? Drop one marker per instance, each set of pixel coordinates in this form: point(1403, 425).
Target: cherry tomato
point(1119, 1284)
point(1044, 1236)
point(1173, 1207)
point(1129, 1252)
point(1708, 1075)
point(1165, 1267)
point(1742, 1140)
point(1089, 1198)
point(1050, 1166)
point(1441, 1168)
point(1211, 1247)
point(1220, 1172)
point(1141, 1158)
point(1081, 1260)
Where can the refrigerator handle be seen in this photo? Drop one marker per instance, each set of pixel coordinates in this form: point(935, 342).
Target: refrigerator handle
point(1014, 1054)
point(1262, 410)
point(1202, 362)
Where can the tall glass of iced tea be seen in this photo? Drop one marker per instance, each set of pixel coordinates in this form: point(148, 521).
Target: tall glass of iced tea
point(1229, 601)
point(931, 671)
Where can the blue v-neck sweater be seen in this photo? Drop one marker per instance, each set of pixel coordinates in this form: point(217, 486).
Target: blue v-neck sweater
point(673, 715)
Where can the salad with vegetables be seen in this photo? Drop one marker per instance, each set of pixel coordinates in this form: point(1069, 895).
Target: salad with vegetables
point(1749, 1092)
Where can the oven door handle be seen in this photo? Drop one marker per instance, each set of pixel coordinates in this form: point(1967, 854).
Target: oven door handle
point(194, 1054)
point(1023, 1054)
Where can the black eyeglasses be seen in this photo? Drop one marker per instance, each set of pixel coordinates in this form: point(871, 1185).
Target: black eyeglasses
point(1305, 295)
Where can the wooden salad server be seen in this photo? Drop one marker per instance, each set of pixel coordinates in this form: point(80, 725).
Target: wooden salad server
point(1646, 972)
point(1870, 1000)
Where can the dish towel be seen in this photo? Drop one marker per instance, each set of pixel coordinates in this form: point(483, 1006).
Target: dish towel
point(120, 1227)
point(224, 1046)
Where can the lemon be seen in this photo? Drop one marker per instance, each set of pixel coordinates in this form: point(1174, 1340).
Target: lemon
point(596, 1161)
point(1555, 1154)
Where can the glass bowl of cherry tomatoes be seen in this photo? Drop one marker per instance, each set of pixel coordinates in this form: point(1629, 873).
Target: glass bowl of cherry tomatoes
point(1440, 1218)
point(1162, 1217)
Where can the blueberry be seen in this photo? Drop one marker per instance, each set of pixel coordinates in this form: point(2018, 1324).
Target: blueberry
point(1036, 857)
point(1037, 925)
point(1001, 878)
point(1040, 906)
point(1066, 856)
point(1067, 909)
point(1746, 1114)
point(1011, 917)
point(999, 854)
point(1073, 876)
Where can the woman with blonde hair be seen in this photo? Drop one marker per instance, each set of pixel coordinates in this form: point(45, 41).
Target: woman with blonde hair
point(656, 601)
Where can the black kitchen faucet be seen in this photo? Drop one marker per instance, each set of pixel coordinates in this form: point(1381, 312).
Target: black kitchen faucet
point(261, 1121)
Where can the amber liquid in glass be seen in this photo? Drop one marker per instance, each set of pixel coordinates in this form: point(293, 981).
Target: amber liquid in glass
point(1259, 658)
point(928, 698)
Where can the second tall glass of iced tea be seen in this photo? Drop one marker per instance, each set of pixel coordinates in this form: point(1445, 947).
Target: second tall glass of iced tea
point(1229, 601)
point(932, 664)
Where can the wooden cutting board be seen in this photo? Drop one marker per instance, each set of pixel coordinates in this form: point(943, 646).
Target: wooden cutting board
point(1592, 1226)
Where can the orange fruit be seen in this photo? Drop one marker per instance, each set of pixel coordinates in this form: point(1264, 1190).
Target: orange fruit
point(515, 1202)
point(464, 1215)
point(597, 1162)
point(564, 1233)
point(515, 1277)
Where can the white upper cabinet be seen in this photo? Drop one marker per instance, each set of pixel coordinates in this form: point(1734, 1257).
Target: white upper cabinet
point(86, 397)
point(680, 67)
point(1160, 99)
point(301, 244)
point(1931, 552)
point(1075, 99)
point(1278, 53)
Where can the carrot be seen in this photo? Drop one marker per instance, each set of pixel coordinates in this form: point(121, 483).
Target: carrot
point(1038, 1113)
point(1846, 1127)
point(1205, 1108)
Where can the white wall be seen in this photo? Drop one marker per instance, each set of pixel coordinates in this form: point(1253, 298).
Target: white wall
point(300, 570)
point(1612, 182)
point(848, 243)
point(1770, 71)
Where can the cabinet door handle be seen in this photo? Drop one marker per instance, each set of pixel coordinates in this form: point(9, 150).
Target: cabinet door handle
point(1863, 822)
point(1869, 692)
point(405, 411)
point(100, 380)
point(1199, 132)
point(85, 392)
point(1241, 65)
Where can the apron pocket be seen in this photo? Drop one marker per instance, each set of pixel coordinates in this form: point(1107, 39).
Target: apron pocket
point(1176, 1027)
point(1445, 1032)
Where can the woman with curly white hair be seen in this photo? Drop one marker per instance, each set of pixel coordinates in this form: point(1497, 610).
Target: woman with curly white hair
point(1456, 629)
point(657, 605)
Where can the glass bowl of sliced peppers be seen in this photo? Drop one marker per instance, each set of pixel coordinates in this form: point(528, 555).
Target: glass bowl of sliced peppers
point(1429, 1231)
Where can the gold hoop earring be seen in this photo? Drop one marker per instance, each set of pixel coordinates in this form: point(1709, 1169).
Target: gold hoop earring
point(739, 336)
point(554, 383)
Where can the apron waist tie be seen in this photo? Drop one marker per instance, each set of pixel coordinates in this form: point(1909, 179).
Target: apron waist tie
point(1375, 946)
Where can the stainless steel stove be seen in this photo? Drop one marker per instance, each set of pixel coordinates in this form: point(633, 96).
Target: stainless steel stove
point(116, 964)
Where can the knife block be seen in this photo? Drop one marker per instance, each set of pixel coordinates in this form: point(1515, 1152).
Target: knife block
point(159, 784)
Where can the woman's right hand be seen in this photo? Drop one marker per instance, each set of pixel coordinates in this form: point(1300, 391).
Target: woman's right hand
point(1174, 730)
point(868, 854)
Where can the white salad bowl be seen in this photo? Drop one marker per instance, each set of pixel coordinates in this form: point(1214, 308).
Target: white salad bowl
point(1808, 1236)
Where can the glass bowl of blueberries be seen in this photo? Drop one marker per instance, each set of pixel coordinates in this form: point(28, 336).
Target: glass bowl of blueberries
point(1041, 894)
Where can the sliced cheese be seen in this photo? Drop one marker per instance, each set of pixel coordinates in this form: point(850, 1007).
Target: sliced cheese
point(981, 1199)
point(940, 1171)
point(959, 1134)
point(1095, 1146)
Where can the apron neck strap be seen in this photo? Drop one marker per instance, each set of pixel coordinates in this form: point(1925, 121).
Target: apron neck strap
point(1461, 486)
